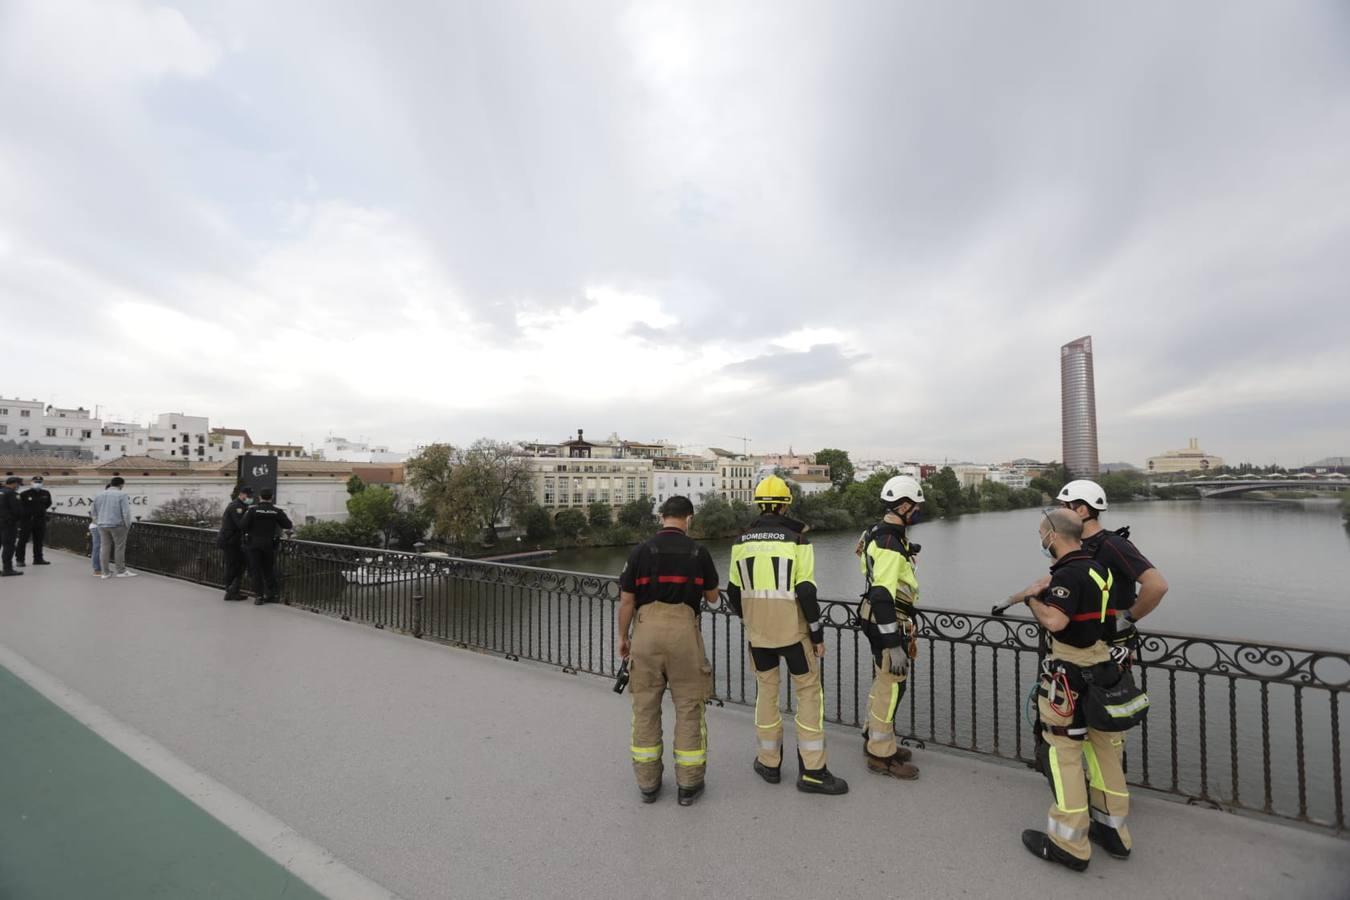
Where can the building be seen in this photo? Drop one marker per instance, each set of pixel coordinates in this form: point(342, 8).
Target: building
point(1078, 408)
point(1329, 465)
point(342, 450)
point(791, 463)
point(229, 442)
point(695, 477)
point(971, 475)
point(32, 427)
point(578, 472)
point(281, 451)
point(737, 474)
point(812, 484)
point(1192, 459)
point(1013, 479)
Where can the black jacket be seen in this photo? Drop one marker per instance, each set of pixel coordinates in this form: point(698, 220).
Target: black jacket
point(36, 501)
point(11, 507)
point(230, 521)
point(262, 525)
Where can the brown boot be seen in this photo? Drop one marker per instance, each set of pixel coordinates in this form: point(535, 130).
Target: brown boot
point(894, 766)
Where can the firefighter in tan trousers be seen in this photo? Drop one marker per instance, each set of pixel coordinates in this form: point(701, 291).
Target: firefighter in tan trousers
point(1073, 610)
point(772, 588)
point(887, 560)
point(663, 585)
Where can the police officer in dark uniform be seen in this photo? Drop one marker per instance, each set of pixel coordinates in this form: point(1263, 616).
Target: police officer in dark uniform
point(663, 585)
point(36, 501)
point(229, 540)
point(11, 515)
point(262, 526)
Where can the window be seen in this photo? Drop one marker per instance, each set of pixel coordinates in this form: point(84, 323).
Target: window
point(86, 435)
point(3, 411)
point(174, 427)
point(4, 429)
point(107, 448)
point(51, 432)
point(23, 432)
point(185, 438)
point(234, 445)
point(201, 451)
point(24, 413)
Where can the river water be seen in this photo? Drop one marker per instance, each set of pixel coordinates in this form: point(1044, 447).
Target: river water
point(1275, 572)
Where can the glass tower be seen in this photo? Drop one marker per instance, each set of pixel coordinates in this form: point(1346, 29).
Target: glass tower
point(1078, 408)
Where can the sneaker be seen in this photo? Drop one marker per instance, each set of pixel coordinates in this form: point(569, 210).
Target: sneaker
point(687, 795)
point(105, 575)
point(821, 781)
point(127, 574)
point(894, 766)
point(1039, 844)
point(98, 574)
point(771, 774)
point(1108, 839)
point(649, 796)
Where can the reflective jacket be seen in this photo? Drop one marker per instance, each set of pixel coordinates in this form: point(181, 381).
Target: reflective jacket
point(892, 589)
point(772, 584)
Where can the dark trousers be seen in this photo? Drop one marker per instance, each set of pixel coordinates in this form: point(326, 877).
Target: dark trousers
point(35, 530)
point(262, 569)
point(7, 535)
point(235, 563)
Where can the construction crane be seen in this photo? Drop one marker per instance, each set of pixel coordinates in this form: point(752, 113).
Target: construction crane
point(745, 443)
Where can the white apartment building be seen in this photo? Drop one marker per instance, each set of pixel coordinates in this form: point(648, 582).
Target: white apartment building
point(563, 482)
point(58, 431)
point(342, 450)
point(971, 476)
point(694, 477)
point(738, 478)
point(1013, 479)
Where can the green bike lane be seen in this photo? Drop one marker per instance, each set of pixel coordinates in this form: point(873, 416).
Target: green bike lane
point(78, 818)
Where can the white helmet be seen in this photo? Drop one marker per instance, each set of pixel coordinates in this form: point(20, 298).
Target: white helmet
point(902, 487)
point(1089, 492)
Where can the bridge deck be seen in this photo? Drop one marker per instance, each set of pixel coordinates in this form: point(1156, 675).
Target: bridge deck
point(439, 772)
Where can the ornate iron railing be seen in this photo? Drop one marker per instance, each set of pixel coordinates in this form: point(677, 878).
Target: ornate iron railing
point(1237, 725)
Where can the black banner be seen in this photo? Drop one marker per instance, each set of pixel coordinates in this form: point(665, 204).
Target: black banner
point(258, 472)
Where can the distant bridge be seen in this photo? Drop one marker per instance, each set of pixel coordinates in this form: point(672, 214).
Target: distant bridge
point(1232, 486)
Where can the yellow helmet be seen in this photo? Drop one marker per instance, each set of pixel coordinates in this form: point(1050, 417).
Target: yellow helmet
point(773, 490)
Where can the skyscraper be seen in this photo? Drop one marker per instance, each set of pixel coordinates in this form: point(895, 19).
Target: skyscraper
point(1078, 408)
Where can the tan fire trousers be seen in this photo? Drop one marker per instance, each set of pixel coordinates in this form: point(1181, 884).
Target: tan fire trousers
point(882, 701)
point(1098, 794)
point(810, 717)
point(667, 649)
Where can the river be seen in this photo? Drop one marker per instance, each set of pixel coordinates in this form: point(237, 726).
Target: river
point(1269, 571)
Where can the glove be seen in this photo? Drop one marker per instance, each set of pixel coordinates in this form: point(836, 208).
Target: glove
point(897, 661)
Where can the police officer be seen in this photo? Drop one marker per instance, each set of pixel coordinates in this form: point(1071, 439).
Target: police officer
point(1072, 608)
point(887, 559)
point(262, 526)
point(772, 588)
point(1114, 550)
point(36, 501)
point(11, 515)
point(663, 583)
point(229, 540)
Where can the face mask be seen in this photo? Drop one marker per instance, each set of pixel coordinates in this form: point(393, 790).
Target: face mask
point(1045, 548)
point(915, 516)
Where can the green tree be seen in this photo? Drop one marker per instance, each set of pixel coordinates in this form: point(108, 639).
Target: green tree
point(714, 519)
point(430, 470)
point(469, 493)
point(1054, 477)
point(600, 515)
point(332, 533)
point(570, 523)
point(371, 511)
point(841, 467)
point(537, 522)
point(637, 514)
point(994, 496)
point(355, 485)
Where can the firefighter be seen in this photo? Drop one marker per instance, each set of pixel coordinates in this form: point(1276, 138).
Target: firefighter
point(887, 559)
point(772, 588)
point(1073, 609)
point(663, 585)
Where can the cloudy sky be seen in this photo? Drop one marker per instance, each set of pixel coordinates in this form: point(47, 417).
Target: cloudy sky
point(867, 225)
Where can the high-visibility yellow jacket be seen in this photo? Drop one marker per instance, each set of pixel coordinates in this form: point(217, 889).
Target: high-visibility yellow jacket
point(887, 564)
point(772, 585)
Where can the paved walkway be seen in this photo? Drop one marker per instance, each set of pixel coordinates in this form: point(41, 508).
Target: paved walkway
point(438, 772)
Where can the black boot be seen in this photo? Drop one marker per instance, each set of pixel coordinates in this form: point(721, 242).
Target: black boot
point(260, 601)
point(821, 781)
point(771, 774)
point(9, 572)
point(1108, 839)
point(1039, 843)
point(687, 795)
point(21, 564)
point(41, 562)
point(650, 796)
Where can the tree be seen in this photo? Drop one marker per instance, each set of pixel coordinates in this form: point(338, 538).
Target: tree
point(715, 518)
point(637, 514)
point(355, 485)
point(1049, 482)
point(469, 493)
point(600, 515)
point(841, 467)
point(428, 472)
point(187, 509)
point(570, 523)
point(333, 533)
point(371, 512)
point(537, 522)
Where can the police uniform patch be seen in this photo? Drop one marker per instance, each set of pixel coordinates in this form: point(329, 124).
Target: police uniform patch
point(1060, 592)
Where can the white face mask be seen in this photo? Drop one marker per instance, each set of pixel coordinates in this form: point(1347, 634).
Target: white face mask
point(1045, 548)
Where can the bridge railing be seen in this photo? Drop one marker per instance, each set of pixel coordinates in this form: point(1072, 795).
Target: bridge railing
point(1238, 725)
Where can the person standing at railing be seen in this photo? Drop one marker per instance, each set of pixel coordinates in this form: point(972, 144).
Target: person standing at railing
point(1117, 552)
point(230, 541)
point(886, 612)
point(1072, 608)
point(772, 587)
point(94, 545)
point(11, 514)
point(262, 526)
point(36, 501)
point(663, 584)
point(112, 514)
